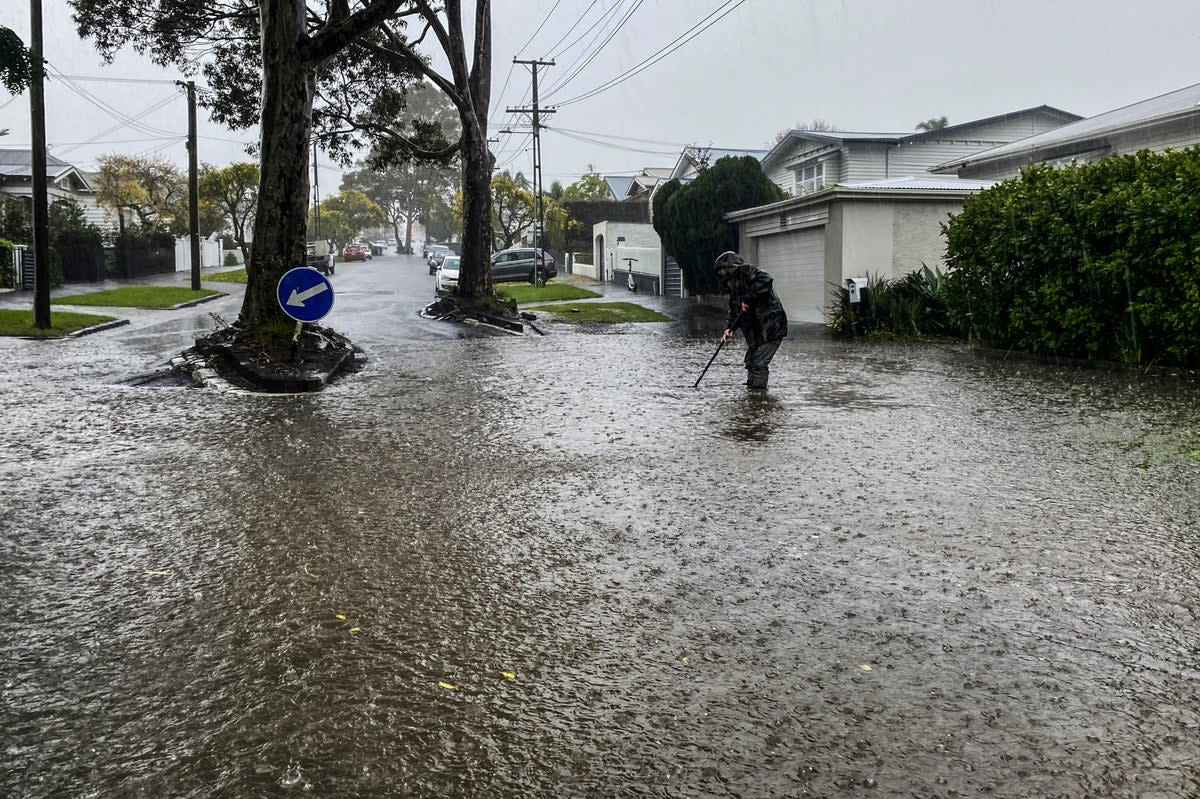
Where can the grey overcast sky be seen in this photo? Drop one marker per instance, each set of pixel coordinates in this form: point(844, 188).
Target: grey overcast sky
point(868, 65)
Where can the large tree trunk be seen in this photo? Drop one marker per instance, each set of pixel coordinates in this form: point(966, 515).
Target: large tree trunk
point(280, 221)
point(475, 277)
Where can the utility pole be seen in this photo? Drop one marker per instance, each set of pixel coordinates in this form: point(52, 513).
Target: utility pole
point(316, 194)
point(536, 113)
point(193, 183)
point(41, 212)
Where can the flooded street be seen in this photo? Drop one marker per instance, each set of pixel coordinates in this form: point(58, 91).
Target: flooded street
point(549, 567)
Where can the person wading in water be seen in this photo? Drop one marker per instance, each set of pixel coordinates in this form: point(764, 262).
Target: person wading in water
point(756, 311)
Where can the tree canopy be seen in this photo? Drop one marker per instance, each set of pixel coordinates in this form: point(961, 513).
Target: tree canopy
point(233, 191)
point(16, 63)
point(690, 218)
point(933, 123)
point(153, 189)
point(590, 186)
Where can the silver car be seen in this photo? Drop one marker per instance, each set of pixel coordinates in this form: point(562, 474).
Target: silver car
point(519, 263)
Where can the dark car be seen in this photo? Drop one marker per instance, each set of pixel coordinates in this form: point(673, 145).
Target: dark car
point(355, 252)
point(436, 254)
point(519, 263)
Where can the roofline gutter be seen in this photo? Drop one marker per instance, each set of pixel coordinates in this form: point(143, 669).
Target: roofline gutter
point(1083, 137)
point(848, 192)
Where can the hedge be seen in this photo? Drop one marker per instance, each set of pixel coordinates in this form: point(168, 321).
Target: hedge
point(1098, 260)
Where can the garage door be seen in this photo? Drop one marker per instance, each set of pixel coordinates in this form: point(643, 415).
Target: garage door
point(797, 263)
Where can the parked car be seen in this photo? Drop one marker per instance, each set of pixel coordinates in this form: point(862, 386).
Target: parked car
point(320, 256)
point(378, 247)
point(519, 263)
point(447, 273)
point(355, 252)
point(436, 254)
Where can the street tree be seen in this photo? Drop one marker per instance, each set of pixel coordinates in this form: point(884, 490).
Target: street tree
point(334, 226)
point(934, 123)
point(154, 190)
point(289, 64)
point(404, 186)
point(513, 209)
point(690, 218)
point(590, 186)
point(233, 191)
point(361, 212)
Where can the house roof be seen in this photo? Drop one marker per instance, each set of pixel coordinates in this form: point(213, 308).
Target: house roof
point(19, 164)
point(619, 184)
point(921, 187)
point(1179, 103)
point(930, 182)
point(839, 136)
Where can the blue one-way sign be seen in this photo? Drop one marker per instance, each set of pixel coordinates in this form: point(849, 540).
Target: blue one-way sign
point(305, 294)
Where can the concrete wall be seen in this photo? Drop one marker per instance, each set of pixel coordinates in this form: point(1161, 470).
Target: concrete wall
point(606, 238)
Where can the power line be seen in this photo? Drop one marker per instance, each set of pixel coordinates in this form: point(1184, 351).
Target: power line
point(539, 27)
point(622, 138)
point(103, 106)
point(150, 110)
point(601, 143)
point(662, 53)
point(595, 52)
point(102, 79)
point(563, 48)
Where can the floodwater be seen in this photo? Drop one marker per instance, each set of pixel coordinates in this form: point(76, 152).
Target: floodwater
point(549, 567)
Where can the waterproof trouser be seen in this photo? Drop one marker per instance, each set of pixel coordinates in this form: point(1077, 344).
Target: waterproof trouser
point(758, 359)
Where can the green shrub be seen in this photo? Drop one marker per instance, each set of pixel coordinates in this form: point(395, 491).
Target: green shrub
point(1097, 260)
point(913, 305)
point(8, 273)
point(231, 259)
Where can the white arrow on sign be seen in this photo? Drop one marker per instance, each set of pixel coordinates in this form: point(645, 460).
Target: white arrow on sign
point(298, 297)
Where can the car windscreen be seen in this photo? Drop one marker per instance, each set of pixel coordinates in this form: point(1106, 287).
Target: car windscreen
point(451, 263)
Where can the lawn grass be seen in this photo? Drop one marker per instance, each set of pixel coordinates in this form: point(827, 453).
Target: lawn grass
point(602, 312)
point(524, 292)
point(232, 276)
point(136, 297)
point(20, 323)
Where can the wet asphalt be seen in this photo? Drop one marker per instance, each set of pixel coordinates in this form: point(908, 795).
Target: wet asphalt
point(546, 566)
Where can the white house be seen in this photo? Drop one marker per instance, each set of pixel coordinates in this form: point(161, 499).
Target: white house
point(865, 204)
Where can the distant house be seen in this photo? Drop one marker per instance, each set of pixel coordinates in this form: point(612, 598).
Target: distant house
point(1170, 120)
point(63, 181)
point(639, 186)
point(865, 204)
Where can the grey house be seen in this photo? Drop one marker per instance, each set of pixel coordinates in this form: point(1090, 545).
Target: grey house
point(1170, 120)
point(866, 204)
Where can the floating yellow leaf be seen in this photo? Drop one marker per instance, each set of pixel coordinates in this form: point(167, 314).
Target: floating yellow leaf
point(865, 667)
point(340, 616)
point(508, 675)
point(685, 660)
point(157, 572)
point(355, 629)
point(306, 571)
point(448, 686)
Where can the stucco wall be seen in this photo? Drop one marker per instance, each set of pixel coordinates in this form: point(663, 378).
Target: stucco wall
point(918, 235)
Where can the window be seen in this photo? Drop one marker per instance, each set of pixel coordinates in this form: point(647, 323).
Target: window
point(810, 178)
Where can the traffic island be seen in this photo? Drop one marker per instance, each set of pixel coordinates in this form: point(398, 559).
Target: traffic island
point(266, 361)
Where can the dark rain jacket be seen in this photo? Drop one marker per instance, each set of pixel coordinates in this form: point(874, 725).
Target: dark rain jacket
point(766, 320)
